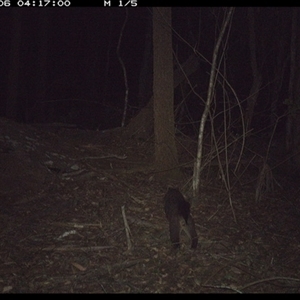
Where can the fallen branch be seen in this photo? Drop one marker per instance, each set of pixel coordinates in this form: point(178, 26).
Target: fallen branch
point(76, 225)
point(103, 156)
point(71, 248)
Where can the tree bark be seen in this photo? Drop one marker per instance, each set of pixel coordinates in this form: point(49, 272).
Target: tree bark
point(166, 156)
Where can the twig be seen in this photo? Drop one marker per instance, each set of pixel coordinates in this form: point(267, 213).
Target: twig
point(127, 230)
point(223, 287)
point(268, 279)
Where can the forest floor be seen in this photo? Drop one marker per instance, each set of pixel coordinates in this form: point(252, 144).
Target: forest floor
point(65, 194)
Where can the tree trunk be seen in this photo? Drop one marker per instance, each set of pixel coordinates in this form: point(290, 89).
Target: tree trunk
point(163, 90)
point(293, 102)
point(257, 78)
point(207, 108)
point(146, 71)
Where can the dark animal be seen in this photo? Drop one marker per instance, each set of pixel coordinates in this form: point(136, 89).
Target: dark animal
point(176, 207)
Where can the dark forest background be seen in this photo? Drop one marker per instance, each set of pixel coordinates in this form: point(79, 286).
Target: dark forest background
point(62, 65)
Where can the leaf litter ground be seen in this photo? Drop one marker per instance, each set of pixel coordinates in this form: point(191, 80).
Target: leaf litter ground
point(62, 228)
